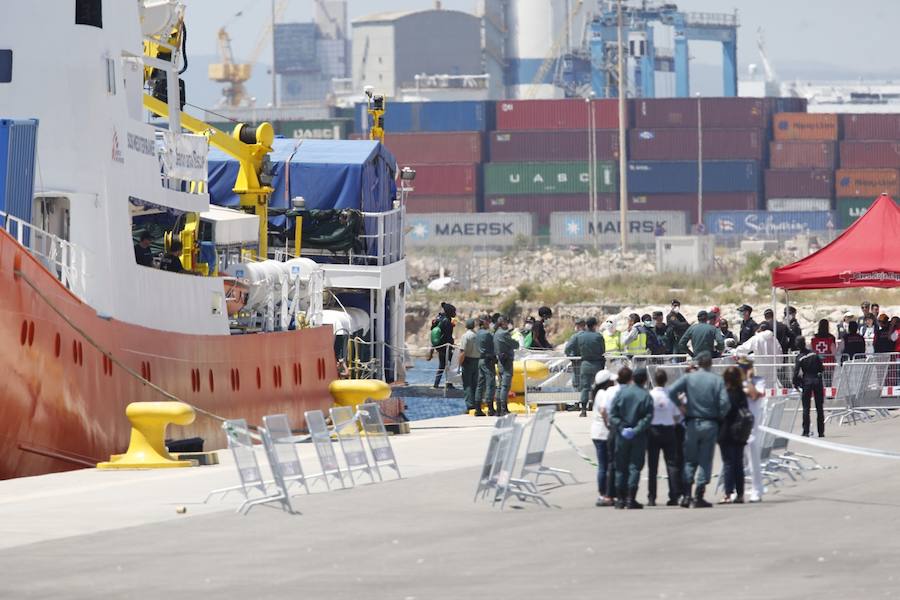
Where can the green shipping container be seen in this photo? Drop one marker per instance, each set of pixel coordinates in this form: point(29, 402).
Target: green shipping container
point(547, 178)
point(850, 209)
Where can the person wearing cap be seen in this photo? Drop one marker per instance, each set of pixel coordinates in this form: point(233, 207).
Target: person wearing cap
point(661, 330)
point(808, 370)
point(702, 337)
point(611, 338)
point(630, 417)
point(676, 325)
point(571, 350)
point(634, 338)
point(487, 366)
point(844, 324)
point(444, 345)
point(505, 349)
point(705, 407)
point(605, 389)
point(715, 313)
point(539, 339)
point(782, 333)
point(748, 325)
point(793, 325)
point(468, 360)
point(592, 349)
point(662, 438)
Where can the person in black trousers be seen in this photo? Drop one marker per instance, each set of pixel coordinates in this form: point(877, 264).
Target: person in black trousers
point(444, 348)
point(662, 438)
point(808, 377)
point(733, 449)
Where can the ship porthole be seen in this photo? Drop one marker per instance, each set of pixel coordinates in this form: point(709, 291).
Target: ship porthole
point(237, 376)
point(275, 376)
point(30, 332)
point(212, 383)
point(23, 337)
point(258, 379)
point(75, 351)
point(57, 345)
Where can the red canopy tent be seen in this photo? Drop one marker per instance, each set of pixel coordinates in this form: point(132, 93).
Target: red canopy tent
point(867, 254)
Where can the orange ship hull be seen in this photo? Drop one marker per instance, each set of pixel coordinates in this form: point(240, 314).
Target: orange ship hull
point(62, 402)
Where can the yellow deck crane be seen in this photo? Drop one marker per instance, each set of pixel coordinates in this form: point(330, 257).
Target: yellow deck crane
point(249, 146)
point(235, 74)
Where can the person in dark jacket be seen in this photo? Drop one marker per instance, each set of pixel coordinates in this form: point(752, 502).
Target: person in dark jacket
point(732, 449)
point(445, 345)
point(727, 334)
point(676, 325)
point(505, 349)
point(854, 343)
point(487, 366)
point(171, 260)
point(808, 377)
point(571, 349)
point(748, 325)
point(883, 343)
point(790, 319)
point(661, 330)
point(629, 418)
point(142, 253)
point(782, 332)
point(702, 337)
point(539, 339)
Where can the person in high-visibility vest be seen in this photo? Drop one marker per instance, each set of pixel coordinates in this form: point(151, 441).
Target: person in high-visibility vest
point(634, 339)
point(611, 338)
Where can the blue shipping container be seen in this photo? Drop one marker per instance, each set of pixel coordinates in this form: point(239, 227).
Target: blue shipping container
point(681, 177)
point(750, 222)
point(18, 142)
point(413, 117)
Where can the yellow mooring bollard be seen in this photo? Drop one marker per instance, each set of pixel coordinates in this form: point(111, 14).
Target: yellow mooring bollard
point(147, 449)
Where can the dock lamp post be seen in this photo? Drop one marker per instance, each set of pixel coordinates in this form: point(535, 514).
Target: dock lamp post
point(699, 164)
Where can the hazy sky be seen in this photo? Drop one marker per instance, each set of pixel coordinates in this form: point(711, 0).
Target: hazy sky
point(852, 35)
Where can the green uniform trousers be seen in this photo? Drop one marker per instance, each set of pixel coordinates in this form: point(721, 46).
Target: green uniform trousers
point(699, 448)
point(506, 374)
point(470, 381)
point(487, 381)
point(629, 462)
point(589, 370)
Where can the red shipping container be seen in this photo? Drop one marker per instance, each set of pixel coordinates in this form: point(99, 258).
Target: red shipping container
point(526, 115)
point(681, 144)
point(866, 183)
point(805, 126)
point(717, 113)
point(871, 127)
point(447, 180)
point(551, 146)
point(441, 204)
point(870, 155)
point(689, 202)
point(435, 148)
point(542, 206)
point(799, 183)
point(803, 155)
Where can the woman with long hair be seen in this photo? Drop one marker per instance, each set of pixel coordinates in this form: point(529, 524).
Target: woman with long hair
point(733, 449)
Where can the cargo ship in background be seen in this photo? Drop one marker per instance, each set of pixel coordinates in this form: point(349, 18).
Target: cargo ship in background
point(86, 328)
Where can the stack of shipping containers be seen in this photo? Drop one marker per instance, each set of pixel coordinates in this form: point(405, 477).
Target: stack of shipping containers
point(539, 157)
point(444, 143)
point(870, 163)
point(802, 160)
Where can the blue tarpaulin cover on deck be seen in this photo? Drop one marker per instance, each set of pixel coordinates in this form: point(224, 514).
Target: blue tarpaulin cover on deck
point(329, 174)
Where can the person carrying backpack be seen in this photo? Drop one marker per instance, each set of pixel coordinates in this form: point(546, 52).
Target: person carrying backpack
point(733, 435)
point(442, 340)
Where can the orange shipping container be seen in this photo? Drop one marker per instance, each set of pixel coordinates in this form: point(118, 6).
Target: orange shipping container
point(805, 126)
point(866, 183)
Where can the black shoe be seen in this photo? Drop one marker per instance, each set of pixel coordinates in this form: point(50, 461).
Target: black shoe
point(699, 502)
point(620, 503)
point(450, 386)
point(672, 502)
point(492, 412)
point(821, 435)
point(583, 414)
point(634, 504)
point(651, 502)
point(805, 434)
point(685, 502)
point(479, 413)
point(437, 386)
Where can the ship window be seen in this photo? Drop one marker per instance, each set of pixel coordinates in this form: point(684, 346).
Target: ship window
point(89, 12)
point(110, 76)
point(5, 66)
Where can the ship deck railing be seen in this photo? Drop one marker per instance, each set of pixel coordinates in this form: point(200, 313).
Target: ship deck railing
point(65, 260)
point(382, 241)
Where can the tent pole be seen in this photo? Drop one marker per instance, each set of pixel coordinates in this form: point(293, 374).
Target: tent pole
point(774, 311)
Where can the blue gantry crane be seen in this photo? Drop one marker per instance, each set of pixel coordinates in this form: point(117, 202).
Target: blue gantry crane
point(638, 24)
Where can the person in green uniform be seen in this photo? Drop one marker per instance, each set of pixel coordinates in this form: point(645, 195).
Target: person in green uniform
point(468, 360)
point(705, 408)
point(571, 349)
point(702, 337)
point(630, 417)
point(505, 349)
point(591, 348)
point(487, 366)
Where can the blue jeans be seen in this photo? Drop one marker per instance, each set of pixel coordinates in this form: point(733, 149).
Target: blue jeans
point(602, 465)
point(733, 467)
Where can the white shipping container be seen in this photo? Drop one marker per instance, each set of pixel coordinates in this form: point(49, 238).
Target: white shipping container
point(644, 226)
point(798, 204)
point(477, 230)
point(685, 254)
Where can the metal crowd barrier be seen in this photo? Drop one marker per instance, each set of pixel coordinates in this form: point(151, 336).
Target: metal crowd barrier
point(496, 480)
point(533, 463)
point(377, 438)
point(346, 427)
point(321, 438)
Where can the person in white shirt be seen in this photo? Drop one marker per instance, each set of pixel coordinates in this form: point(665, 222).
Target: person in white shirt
point(662, 438)
point(764, 348)
point(605, 390)
point(756, 402)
